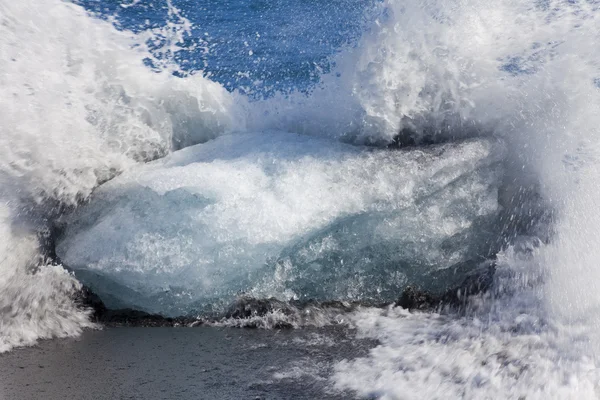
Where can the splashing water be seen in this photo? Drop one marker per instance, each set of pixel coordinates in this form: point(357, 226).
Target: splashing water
point(78, 109)
point(526, 72)
point(92, 111)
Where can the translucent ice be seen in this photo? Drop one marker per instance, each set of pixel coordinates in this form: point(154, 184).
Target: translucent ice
point(284, 215)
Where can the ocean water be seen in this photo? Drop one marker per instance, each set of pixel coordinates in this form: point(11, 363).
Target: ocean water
point(178, 154)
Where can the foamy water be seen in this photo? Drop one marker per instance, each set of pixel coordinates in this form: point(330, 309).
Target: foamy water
point(78, 107)
point(77, 110)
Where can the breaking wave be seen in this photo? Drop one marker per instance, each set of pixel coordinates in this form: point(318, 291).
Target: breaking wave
point(79, 109)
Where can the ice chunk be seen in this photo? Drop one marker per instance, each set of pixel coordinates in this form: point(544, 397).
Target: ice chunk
point(279, 214)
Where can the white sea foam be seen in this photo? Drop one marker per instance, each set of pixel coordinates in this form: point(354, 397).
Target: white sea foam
point(77, 107)
point(505, 347)
point(524, 71)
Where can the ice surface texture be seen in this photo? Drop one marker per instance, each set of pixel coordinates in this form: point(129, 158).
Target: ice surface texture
point(290, 216)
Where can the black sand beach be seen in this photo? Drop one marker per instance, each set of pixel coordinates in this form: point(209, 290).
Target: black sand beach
point(180, 363)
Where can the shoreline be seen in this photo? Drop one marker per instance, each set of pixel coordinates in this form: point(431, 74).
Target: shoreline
point(205, 362)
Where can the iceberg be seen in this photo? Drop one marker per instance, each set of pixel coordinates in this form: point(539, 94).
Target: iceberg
point(275, 214)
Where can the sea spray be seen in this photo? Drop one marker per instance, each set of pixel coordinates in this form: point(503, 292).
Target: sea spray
point(78, 107)
point(522, 71)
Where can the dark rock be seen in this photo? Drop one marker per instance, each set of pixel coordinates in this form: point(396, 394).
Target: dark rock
point(477, 282)
point(415, 299)
point(130, 317)
point(248, 307)
point(87, 299)
point(409, 138)
point(343, 306)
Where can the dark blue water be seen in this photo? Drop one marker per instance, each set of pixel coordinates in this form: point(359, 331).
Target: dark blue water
point(255, 46)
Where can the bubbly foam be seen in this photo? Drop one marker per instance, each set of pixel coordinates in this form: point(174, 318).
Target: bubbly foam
point(78, 107)
point(507, 346)
point(522, 70)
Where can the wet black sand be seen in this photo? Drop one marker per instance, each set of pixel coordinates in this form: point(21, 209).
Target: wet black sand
point(181, 363)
